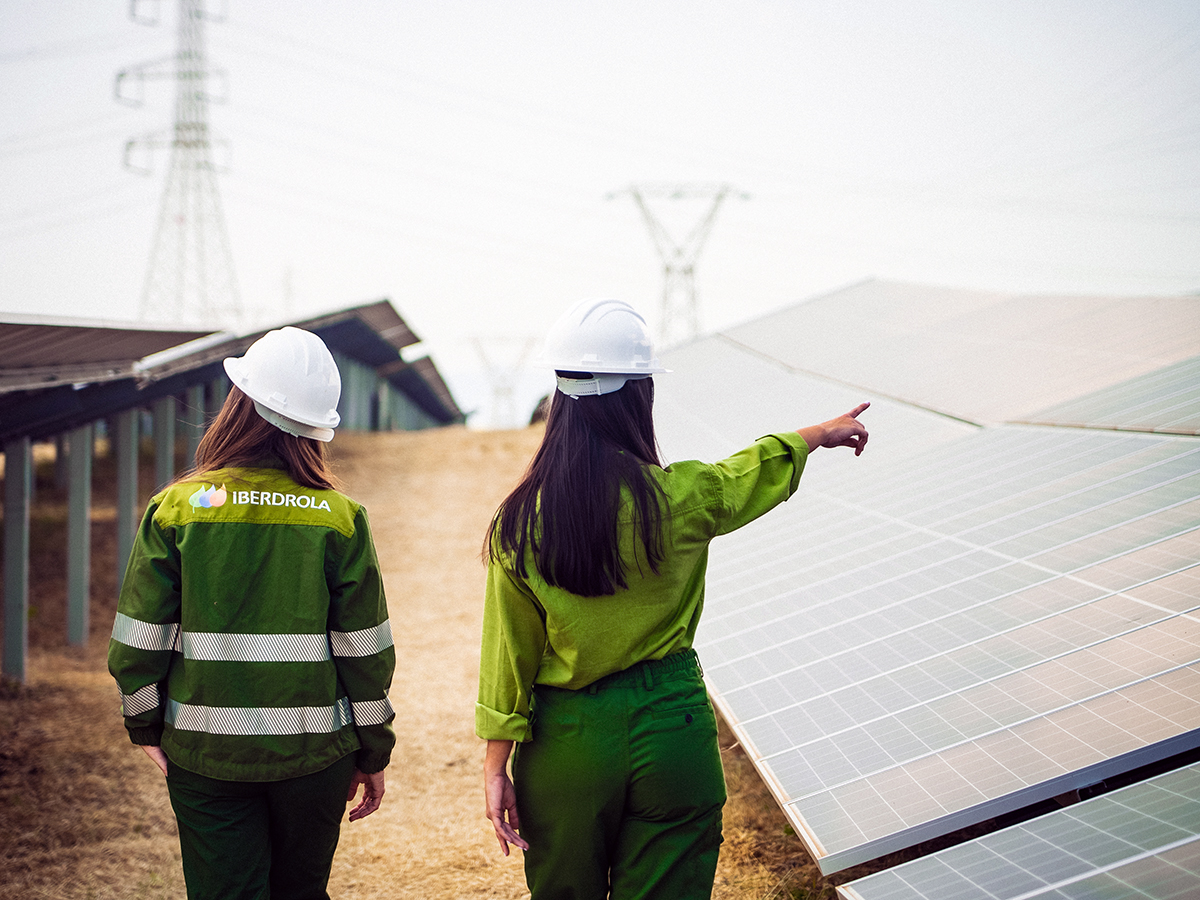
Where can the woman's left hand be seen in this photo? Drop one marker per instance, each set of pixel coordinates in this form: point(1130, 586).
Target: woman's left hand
point(372, 793)
point(501, 801)
point(156, 754)
point(501, 797)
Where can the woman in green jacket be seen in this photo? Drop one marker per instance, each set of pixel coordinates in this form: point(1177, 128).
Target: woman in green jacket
point(251, 645)
point(595, 586)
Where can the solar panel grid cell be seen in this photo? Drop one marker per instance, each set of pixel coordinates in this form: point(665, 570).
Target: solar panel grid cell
point(994, 579)
point(1165, 400)
point(1140, 841)
point(789, 601)
point(931, 640)
point(1023, 761)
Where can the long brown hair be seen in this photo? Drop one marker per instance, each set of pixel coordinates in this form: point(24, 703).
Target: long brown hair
point(566, 506)
point(239, 436)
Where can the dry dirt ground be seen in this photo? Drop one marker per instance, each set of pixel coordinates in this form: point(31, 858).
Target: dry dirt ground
point(83, 814)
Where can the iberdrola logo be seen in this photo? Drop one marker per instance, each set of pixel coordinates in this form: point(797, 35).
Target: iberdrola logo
point(207, 496)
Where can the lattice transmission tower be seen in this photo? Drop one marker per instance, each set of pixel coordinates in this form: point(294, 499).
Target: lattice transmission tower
point(679, 316)
point(190, 278)
point(503, 365)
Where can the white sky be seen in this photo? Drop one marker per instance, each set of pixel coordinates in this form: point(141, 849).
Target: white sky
point(456, 157)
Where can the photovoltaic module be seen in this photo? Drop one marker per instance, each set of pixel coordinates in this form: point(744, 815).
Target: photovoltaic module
point(964, 621)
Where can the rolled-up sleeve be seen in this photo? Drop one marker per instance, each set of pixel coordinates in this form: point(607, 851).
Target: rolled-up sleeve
point(514, 638)
point(756, 480)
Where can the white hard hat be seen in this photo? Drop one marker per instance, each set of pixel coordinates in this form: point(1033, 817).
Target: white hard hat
point(292, 379)
point(605, 339)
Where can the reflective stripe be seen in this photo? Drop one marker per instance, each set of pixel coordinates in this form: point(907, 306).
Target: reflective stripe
point(141, 701)
point(373, 712)
point(218, 647)
point(366, 642)
point(259, 720)
point(145, 635)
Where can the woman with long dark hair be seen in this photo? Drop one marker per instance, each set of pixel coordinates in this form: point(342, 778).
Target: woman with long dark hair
point(595, 586)
point(251, 645)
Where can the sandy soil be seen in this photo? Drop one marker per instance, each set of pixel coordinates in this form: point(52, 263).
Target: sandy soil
point(83, 814)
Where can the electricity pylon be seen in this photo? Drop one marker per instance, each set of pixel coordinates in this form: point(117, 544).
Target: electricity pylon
point(190, 279)
point(502, 375)
point(679, 318)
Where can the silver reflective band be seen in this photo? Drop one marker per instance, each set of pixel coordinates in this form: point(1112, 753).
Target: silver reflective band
point(373, 712)
point(145, 635)
point(141, 701)
point(259, 720)
point(217, 647)
point(366, 642)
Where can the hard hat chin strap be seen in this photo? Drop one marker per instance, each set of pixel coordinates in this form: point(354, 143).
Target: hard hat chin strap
point(594, 385)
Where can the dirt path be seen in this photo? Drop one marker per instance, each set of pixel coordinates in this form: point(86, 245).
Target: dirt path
point(84, 815)
point(429, 505)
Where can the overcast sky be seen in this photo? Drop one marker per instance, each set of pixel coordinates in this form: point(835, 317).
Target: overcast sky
point(458, 157)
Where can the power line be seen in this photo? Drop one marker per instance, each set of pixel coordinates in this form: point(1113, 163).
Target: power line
point(59, 207)
point(76, 47)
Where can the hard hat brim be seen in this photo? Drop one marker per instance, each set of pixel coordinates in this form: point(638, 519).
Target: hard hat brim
point(291, 426)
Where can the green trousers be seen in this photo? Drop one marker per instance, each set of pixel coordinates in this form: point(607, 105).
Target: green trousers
point(254, 840)
point(620, 791)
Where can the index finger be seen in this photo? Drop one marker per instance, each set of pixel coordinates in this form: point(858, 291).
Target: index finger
point(854, 413)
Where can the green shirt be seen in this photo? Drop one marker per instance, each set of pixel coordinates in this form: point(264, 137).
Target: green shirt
point(252, 639)
point(537, 634)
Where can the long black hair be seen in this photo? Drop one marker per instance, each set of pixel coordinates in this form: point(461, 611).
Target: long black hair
point(565, 508)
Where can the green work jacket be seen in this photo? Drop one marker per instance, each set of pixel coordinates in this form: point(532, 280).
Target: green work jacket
point(252, 639)
point(537, 634)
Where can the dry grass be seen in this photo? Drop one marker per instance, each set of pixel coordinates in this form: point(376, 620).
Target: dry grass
point(84, 815)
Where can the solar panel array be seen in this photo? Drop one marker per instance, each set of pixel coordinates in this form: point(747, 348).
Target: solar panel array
point(1167, 400)
point(1142, 841)
point(959, 623)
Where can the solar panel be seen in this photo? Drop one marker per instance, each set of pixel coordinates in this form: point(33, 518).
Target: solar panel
point(1167, 400)
point(959, 623)
point(1140, 842)
point(985, 356)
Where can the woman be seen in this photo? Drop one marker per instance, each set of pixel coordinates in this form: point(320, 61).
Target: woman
point(595, 586)
point(251, 645)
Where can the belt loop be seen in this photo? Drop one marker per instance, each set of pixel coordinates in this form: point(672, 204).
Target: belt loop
point(648, 676)
point(593, 688)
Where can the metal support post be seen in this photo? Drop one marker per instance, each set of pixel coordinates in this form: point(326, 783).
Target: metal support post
point(218, 390)
point(164, 441)
point(18, 486)
point(125, 439)
point(60, 461)
point(193, 419)
point(354, 404)
point(383, 402)
point(79, 534)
